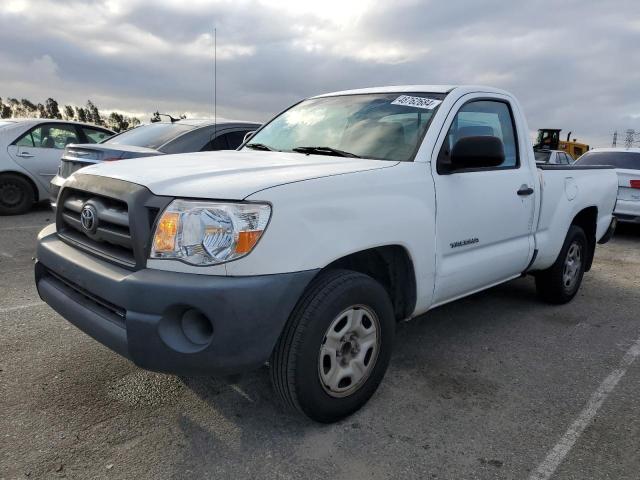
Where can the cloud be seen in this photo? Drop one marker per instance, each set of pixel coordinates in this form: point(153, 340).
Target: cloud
point(573, 64)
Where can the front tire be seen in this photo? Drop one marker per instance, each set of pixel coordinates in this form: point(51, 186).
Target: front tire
point(16, 194)
point(561, 282)
point(336, 346)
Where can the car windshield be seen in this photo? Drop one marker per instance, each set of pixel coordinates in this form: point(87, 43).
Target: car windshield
point(150, 136)
point(386, 126)
point(621, 159)
point(542, 156)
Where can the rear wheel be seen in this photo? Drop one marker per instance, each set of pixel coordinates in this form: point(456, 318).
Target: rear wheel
point(336, 346)
point(16, 194)
point(560, 282)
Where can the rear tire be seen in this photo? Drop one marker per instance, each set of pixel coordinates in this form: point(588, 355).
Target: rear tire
point(336, 346)
point(560, 283)
point(16, 194)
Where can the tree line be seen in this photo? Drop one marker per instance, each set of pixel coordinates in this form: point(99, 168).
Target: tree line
point(14, 108)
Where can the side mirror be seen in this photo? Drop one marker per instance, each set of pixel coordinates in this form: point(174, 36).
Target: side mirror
point(477, 152)
point(248, 135)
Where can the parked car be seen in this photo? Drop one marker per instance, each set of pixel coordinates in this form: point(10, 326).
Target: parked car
point(159, 138)
point(627, 165)
point(342, 216)
point(30, 153)
point(553, 157)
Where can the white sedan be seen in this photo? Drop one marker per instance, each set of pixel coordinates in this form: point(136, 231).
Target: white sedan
point(30, 152)
point(553, 157)
point(627, 165)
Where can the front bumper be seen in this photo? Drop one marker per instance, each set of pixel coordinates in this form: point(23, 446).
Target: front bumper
point(186, 324)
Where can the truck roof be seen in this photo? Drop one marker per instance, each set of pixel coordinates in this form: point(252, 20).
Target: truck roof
point(413, 88)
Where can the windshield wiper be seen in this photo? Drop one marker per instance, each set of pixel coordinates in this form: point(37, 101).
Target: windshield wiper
point(325, 151)
point(259, 146)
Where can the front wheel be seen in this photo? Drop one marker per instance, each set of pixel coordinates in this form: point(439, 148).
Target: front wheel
point(560, 282)
point(336, 346)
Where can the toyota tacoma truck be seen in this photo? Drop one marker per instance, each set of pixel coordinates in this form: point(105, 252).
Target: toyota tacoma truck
point(342, 216)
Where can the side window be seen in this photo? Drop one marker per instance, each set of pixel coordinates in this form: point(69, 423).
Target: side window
point(480, 118)
point(226, 141)
point(49, 136)
point(95, 136)
point(235, 138)
point(218, 143)
point(26, 140)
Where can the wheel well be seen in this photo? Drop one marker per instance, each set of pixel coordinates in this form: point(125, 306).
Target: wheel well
point(28, 179)
point(587, 219)
point(392, 267)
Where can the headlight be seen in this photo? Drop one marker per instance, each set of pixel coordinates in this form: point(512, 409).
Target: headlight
point(208, 233)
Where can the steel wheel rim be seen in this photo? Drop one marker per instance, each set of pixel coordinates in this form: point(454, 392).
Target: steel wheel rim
point(349, 351)
point(572, 266)
point(10, 194)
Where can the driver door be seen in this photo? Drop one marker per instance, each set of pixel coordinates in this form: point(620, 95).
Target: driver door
point(484, 223)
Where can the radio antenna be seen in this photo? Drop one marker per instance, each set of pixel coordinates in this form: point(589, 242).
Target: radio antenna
point(215, 83)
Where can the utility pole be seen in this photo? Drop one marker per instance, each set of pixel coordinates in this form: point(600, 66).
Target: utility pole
point(615, 139)
point(629, 138)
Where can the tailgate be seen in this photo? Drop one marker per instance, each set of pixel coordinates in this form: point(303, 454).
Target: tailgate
point(629, 185)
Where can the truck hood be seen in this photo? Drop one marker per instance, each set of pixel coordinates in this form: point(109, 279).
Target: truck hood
point(230, 174)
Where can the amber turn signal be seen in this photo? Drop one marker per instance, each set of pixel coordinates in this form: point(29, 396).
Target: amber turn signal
point(165, 238)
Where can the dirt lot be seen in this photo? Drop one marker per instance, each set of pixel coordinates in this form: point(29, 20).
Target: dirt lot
point(494, 386)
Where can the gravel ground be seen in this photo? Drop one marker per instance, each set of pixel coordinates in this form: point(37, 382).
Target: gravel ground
point(483, 388)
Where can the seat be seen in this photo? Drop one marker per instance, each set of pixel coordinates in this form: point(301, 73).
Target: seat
point(48, 142)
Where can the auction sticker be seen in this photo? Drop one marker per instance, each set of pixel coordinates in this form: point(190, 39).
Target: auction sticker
point(419, 102)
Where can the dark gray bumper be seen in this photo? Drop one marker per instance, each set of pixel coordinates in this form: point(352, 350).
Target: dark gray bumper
point(141, 314)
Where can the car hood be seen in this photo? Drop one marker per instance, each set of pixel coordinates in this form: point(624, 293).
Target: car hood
point(232, 175)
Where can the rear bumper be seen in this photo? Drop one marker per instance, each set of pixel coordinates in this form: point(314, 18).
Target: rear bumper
point(170, 322)
point(628, 211)
point(54, 190)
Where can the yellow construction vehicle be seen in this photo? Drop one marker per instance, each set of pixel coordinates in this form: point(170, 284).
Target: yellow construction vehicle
point(549, 139)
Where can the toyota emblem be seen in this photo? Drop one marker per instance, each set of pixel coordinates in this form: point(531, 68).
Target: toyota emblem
point(89, 218)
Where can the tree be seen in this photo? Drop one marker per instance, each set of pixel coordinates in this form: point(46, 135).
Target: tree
point(5, 110)
point(69, 112)
point(28, 109)
point(93, 115)
point(118, 122)
point(51, 108)
point(81, 114)
point(14, 108)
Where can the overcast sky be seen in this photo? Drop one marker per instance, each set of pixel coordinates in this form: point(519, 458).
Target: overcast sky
point(574, 64)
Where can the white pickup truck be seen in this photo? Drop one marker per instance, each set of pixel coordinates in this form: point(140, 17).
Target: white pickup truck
point(345, 214)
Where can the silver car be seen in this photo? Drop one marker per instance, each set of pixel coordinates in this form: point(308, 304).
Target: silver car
point(181, 136)
point(30, 152)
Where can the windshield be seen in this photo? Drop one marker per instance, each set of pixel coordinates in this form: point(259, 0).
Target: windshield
point(542, 156)
point(150, 136)
point(385, 126)
point(621, 159)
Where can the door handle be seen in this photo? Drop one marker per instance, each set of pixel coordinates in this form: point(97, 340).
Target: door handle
point(24, 155)
point(525, 190)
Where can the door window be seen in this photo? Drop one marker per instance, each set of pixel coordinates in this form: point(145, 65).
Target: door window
point(480, 118)
point(49, 136)
point(95, 136)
